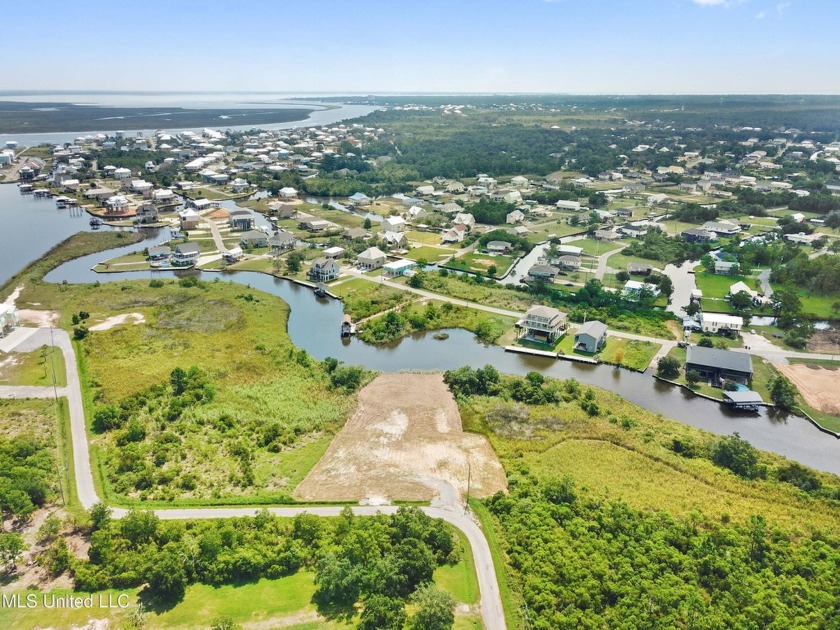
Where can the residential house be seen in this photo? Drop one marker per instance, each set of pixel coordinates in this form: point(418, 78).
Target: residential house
point(722, 228)
point(371, 258)
point(9, 318)
point(498, 247)
point(398, 267)
point(719, 322)
point(253, 239)
point(563, 204)
point(122, 173)
point(288, 192)
point(359, 199)
point(202, 204)
point(393, 239)
point(455, 187)
point(163, 196)
point(696, 235)
point(725, 267)
point(543, 323)
point(116, 205)
point(658, 198)
point(465, 218)
point(146, 213)
point(519, 181)
point(159, 252)
point(718, 365)
point(238, 185)
point(281, 242)
point(415, 213)
point(607, 235)
point(514, 216)
point(591, 336)
point(456, 234)
point(425, 191)
point(639, 269)
point(282, 211)
point(571, 263)
point(802, 238)
point(314, 224)
point(354, 233)
point(186, 254)
point(334, 253)
point(625, 213)
point(323, 270)
point(543, 272)
point(241, 220)
point(189, 219)
point(571, 250)
point(393, 224)
point(634, 230)
point(450, 208)
point(633, 289)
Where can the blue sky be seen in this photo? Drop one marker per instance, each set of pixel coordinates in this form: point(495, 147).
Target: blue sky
point(575, 46)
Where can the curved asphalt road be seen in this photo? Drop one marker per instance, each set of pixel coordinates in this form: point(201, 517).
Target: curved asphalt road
point(492, 612)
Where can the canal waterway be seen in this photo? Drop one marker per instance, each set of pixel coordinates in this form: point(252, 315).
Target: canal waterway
point(314, 326)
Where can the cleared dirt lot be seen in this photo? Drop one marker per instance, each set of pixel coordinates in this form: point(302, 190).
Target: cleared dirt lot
point(819, 386)
point(405, 441)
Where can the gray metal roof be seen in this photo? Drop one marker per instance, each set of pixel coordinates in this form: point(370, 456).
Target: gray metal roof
point(744, 397)
point(716, 358)
point(594, 328)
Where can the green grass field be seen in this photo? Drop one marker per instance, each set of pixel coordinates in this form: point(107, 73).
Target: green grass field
point(33, 368)
point(363, 298)
point(481, 263)
point(716, 286)
point(431, 254)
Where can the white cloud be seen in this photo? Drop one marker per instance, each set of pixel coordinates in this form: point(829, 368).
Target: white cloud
point(760, 15)
point(719, 3)
point(781, 8)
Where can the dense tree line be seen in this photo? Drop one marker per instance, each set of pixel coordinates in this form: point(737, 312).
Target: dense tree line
point(381, 561)
point(820, 275)
point(588, 562)
point(26, 468)
point(656, 245)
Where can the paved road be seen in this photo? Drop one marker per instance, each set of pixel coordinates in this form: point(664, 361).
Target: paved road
point(217, 235)
point(491, 601)
point(602, 269)
point(764, 279)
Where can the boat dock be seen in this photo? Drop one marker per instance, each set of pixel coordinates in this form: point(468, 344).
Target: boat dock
point(551, 355)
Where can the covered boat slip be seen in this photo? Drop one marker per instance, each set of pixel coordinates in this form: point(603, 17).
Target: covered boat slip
point(744, 400)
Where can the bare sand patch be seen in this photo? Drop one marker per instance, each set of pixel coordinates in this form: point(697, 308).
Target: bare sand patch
point(405, 441)
point(818, 385)
point(119, 319)
point(42, 319)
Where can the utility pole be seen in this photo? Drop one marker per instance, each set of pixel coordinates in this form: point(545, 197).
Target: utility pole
point(469, 480)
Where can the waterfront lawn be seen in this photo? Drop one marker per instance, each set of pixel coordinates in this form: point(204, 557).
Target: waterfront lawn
point(424, 238)
point(620, 261)
point(363, 298)
point(430, 254)
point(539, 230)
point(481, 263)
point(630, 353)
point(717, 286)
point(465, 288)
point(33, 368)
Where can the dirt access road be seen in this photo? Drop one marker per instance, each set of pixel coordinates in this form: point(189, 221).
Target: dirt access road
point(404, 442)
point(818, 385)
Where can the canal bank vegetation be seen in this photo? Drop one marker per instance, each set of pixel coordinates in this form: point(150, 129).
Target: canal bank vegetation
point(661, 522)
point(78, 245)
point(434, 315)
point(208, 401)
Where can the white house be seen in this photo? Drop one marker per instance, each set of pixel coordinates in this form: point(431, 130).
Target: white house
point(633, 289)
point(519, 180)
point(544, 323)
point(456, 234)
point(8, 319)
point(393, 224)
point(515, 216)
point(371, 258)
point(715, 322)
point(288, 192)
point(563, 204)
point(122, 173)
point(466, 218)
point(398, 267)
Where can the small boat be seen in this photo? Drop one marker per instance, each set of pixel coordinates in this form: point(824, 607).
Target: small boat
point(321, 290)
point(96, 223)
point(347, 327)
